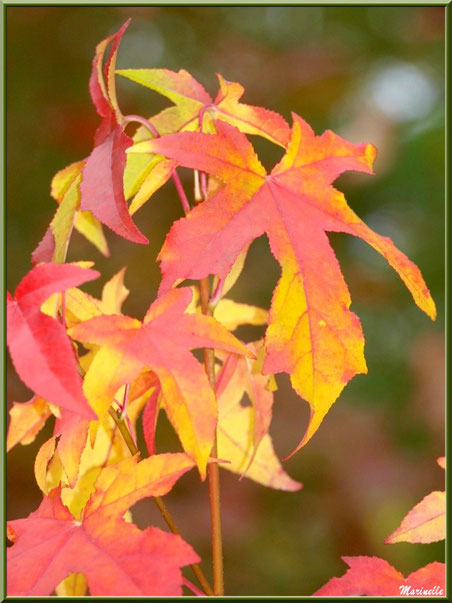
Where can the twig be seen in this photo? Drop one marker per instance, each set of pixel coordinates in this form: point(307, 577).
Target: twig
point(158, 501)
point(212, 468)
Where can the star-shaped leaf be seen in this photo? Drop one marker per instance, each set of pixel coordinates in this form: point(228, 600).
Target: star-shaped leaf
point(161, 343)
point(312, 334)
point(116, 557)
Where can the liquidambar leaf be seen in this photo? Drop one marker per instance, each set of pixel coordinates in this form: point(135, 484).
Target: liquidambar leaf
point(193, 103)
point(85, 223)
point(312, 334)
point(426, 522)
point(58, 459)
point(371, 576)
point(194, 110)
point(116, 557)
point(75, 585)
point(102, 187)
point(161, 343)
point(40, 349)
point(27, 420)
point(101, 83)
point(244, 415)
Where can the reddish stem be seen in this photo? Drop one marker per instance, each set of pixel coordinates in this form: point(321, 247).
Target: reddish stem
point(181, 193)
point(194, 589)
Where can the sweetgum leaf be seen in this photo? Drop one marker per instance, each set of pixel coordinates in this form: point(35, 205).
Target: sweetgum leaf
point(116, 557)
point(40, 349)
point(27, 420)
point(194, 110)
point(161, 343)
point(426, 522)
point(242, 434)
point(371, 576)
point(101, 82)
point(312, 334)
point(84, 221)
point(193, 103)
point(102, 189)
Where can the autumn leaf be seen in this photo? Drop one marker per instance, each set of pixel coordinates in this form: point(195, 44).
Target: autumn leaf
point(371, 576)
point(75, 585)
point(105, 446)
point(426, 522)
point(101, 82)
point(58, 459)
point(194, 110)
point(116, 557)
point(27, 420)
point(102, 187)
point(244, 415)
point(312, 334)
point(114, 293)
point(40, 349)
point(231, 314)
point(65, 190)
point(53, 246)
point(161, 343)
point(193, 103)
point(85, 223)
point(150, 416)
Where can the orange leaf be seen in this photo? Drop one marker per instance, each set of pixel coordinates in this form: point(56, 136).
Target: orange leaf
point(312, 334)
point(27, 420)
point(161, 343)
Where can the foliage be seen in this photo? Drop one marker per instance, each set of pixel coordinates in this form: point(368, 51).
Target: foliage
point(81, 536)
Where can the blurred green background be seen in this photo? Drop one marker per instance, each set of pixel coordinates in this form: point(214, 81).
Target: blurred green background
point(373, 74)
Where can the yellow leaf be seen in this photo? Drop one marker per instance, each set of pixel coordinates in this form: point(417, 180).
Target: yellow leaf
point(92, 230)
point(27, 420)
point(42, 461)
point(114, 293)
point(244, 420)
point(235, 271)
point(156, 178)
point(232, 314)
point(75, 585)
point(64, 178)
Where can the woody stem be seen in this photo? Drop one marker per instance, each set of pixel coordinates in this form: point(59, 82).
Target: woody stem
point(212, 468)
point(123, 429)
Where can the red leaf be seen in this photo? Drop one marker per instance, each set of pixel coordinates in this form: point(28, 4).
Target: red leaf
point(371, 576)
point(116, 557)
point(150, 415)
point(161, 343)
point(102, 189)
point(40, 349)
point(44, 251)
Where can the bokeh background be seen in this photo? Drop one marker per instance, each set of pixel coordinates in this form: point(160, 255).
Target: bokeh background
point(373, 74)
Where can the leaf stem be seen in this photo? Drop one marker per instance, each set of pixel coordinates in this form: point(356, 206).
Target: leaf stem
point(128, 439)
point(213, 470)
